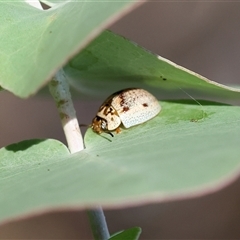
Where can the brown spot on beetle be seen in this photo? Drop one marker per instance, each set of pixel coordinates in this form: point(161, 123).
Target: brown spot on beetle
point(145, 104)
point(125, 109)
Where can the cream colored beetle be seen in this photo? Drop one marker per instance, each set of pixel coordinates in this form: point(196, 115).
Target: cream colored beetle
point(129, 107)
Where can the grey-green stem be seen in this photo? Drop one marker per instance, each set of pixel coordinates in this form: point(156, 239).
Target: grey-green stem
point(98, 224)
point(59, 89)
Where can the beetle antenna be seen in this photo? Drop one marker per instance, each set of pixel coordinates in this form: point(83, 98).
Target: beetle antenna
point(84, 125)
point(110, 134)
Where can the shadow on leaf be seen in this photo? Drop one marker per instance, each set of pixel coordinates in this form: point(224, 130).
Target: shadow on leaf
point(21, 146)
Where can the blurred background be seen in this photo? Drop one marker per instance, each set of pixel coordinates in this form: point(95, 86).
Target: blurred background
point(201, 36)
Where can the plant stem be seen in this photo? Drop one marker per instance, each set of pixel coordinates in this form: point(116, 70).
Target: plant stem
point(34, 3)
point(98, 224)
point(59, 89)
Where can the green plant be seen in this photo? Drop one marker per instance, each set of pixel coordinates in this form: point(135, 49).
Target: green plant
point(146, 163)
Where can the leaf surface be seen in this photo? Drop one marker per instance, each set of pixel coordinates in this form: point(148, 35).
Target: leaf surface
point(187, 150)
point(112, 62)
point(36, 43)
point(130, 234)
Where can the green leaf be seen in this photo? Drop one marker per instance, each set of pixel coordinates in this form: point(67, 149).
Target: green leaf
point(112, 62)
point(35, 43)
point(187, 150)
point(28, 154)
point(129, 234)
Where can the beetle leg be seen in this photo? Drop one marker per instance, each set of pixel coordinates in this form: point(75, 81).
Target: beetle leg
point(118, 130)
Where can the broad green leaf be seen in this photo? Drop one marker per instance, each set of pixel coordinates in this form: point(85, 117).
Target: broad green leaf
point(129, 234)
point(28, 154)
point(35, 43)
point(187, 150)
point(112, 62)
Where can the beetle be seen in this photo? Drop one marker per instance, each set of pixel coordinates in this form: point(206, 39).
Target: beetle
point(129, 107)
